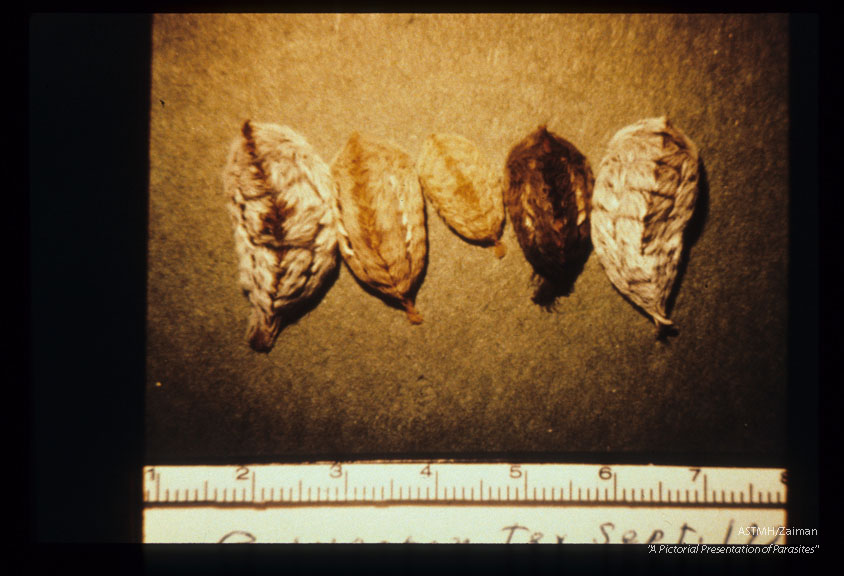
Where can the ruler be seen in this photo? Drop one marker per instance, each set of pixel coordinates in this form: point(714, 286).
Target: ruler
point(464, 502)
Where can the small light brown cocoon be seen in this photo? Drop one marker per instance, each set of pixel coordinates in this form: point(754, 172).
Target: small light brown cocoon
point(463, 188)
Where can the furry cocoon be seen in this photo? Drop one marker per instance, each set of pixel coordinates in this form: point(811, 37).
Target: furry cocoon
point(548, 197)
point(279, 194)
point(645, 195)
point(380, 215)
point(462, 187)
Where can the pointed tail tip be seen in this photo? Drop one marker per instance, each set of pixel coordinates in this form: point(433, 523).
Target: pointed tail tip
point(262, 331)
point(412, 314)
point(500, 249)
point(661, 320)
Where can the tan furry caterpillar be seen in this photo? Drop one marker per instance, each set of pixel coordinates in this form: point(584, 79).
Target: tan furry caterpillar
point(380, 216)
point(461, 186)
point(279, 194)
point(644, 196)
point(548, 197)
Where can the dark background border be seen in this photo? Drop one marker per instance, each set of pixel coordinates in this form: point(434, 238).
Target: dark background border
point(88, 89)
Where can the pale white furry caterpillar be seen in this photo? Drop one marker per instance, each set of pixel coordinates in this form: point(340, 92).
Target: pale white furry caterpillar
point(279, 193)
point(644, 196)
point(380, 214)
point(462, 187)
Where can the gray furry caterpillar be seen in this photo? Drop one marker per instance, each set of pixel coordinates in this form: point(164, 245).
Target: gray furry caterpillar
point(279, 194)
point(380, 214)
point(460, 185)
point(548, 197)
point(645, 195)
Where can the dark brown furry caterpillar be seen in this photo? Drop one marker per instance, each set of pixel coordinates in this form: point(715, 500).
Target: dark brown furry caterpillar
point(548, 196)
